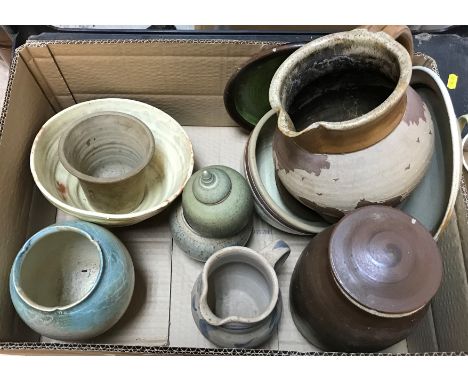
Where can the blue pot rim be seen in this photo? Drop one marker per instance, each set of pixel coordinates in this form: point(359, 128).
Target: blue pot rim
point(18, 262)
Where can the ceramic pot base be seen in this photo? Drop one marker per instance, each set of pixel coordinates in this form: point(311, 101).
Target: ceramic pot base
point(198, 247)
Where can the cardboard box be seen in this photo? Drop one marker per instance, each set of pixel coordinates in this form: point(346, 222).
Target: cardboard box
point(186, 79)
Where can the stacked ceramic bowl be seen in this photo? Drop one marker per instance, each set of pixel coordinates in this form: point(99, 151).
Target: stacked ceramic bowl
point(111, 161)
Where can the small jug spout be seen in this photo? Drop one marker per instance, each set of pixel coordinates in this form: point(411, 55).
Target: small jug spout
point(276, 253)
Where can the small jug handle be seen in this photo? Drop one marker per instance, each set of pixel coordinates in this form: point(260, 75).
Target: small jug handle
point(400, 33)
point(462, 121)
point(276, 253)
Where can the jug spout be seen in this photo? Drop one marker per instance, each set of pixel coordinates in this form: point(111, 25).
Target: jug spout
point(276, 253)
point(325, 103)
point(285, 123)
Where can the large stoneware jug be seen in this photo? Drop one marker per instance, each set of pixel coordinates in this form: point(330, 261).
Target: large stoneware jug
point(351, 131)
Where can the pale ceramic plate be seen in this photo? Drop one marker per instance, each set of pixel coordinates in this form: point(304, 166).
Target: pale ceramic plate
point(431, 202)
point(167, 174)
point(279, 209)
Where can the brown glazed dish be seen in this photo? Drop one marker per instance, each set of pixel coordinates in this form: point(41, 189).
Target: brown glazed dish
point(363, 284)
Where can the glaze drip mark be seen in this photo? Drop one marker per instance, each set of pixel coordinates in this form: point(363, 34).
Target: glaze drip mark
point(62, 190)
point(415, 109)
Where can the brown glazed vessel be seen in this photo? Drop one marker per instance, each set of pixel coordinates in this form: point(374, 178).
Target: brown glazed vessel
point(351, 131)
point(108, 152)
point(363, 284)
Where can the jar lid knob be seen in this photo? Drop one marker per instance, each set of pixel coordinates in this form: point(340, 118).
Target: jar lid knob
point(212, 186)
point(207, 177)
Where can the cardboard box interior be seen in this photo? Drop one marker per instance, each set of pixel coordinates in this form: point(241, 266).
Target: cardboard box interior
point(186, 79)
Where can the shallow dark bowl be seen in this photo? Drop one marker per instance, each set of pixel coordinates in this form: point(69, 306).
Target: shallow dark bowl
point(246, 93)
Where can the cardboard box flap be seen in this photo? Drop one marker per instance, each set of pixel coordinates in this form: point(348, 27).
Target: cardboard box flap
point(25, 110)
point(43, 67)
point(184, 78)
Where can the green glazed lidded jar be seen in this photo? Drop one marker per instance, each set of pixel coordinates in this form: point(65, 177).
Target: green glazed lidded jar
point(216, 212)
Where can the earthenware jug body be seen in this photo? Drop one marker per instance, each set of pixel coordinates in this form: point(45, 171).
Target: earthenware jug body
point(236, 300)
point(363, 287)
point(72, 281)
point(343, 101)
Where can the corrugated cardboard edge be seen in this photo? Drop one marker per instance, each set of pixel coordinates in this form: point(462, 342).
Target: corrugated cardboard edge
point(6, 101)
point(149, 41)
point(36, 348)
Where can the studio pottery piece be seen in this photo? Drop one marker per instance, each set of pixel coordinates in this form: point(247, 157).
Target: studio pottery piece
point(216, 212)
point(462, 121)
point(109, 153)
point(363, 284)
point(236, 300)
point(164, 177)
point(351, 131)
point(72, 281)
point(246, 93)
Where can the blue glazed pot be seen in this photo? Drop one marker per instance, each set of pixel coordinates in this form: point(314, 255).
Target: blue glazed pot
point(236, 300)
point(72, 281)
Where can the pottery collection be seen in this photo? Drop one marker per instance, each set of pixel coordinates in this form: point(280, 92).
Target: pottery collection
point(236, 300)
point(345, 145)
point(216, 212)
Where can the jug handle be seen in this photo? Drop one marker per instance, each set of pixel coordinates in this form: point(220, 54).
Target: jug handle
point(276, 253)
point(400, 33)
point(462, 121)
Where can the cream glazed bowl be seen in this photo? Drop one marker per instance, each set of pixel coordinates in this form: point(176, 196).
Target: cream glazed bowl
point(166, 175)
